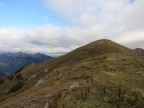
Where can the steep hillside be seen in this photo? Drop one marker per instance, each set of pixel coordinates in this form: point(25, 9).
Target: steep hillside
point(97, 48)
point(102, 74)
point(11, 62)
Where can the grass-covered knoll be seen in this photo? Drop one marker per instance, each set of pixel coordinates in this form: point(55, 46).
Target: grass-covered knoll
point(102, 74)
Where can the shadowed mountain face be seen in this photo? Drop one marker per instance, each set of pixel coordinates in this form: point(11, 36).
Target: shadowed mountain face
point(11, 62)
point(102, 74)
point(2, 77)
point(140, 51)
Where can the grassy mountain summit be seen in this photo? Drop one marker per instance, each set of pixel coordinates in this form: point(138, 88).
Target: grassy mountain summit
point(97, 48)
point(102, 74)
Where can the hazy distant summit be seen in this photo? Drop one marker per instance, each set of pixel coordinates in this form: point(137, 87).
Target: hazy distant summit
point(140, 51)
point(11, 62)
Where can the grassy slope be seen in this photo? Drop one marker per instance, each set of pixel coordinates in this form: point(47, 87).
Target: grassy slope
point(115, 74)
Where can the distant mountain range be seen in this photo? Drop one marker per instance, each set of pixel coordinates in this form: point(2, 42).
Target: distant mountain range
point(11, 62)
point(140, 51)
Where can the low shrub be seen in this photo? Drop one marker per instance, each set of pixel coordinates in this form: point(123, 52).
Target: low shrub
point(16, 87)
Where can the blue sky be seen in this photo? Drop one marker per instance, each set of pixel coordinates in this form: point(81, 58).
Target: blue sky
point(24, 13)
point(132, 1)
point(59, 26)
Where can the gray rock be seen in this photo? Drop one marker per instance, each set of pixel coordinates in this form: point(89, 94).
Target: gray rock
point(46, 106)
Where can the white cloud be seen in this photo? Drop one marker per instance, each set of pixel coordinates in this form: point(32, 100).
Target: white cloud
point(46, 39)
point(116, 19)
point(98, 12)
point(77, 12)
point(88, 20)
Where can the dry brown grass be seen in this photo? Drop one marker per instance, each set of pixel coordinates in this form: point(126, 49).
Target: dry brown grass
point(92, 61)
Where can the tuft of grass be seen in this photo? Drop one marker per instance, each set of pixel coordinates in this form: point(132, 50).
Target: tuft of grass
point(129, 79)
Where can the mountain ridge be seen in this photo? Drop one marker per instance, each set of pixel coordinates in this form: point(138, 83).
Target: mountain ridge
point(140, 51)
point(11, 62)
point(95, 49)
point(92, 74)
